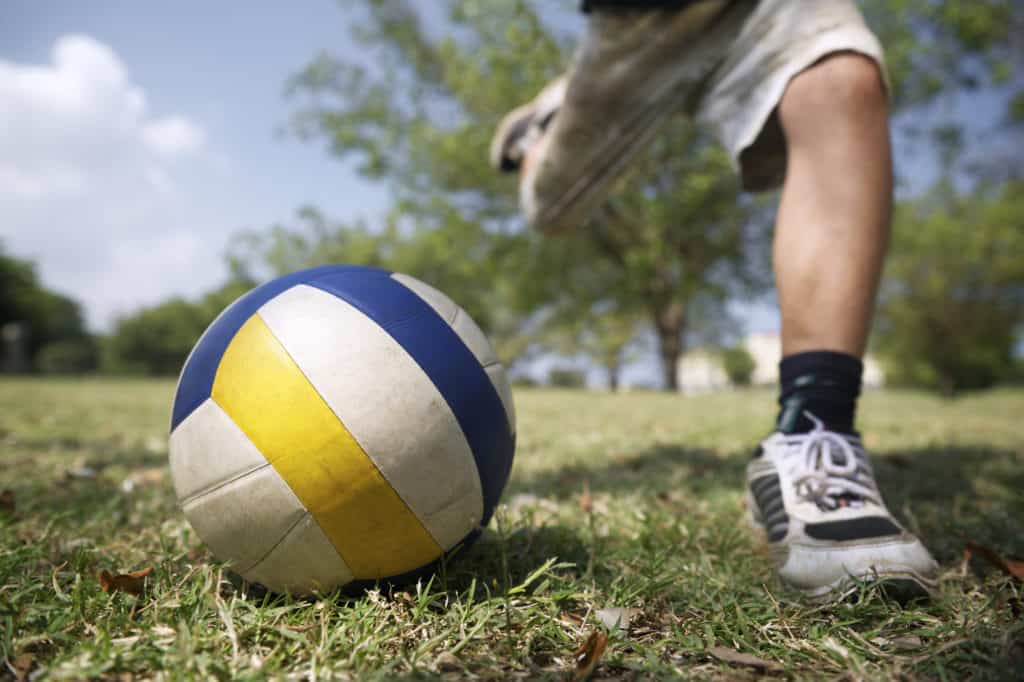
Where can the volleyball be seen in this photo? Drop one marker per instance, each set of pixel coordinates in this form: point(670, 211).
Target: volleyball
point(337, 425)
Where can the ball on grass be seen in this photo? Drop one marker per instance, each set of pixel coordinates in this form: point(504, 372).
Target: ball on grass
point(340, 424)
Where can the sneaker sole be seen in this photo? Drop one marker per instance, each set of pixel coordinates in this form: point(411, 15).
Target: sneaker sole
point(900, 584)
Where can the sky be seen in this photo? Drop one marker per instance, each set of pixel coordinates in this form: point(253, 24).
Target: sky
point(137, 138)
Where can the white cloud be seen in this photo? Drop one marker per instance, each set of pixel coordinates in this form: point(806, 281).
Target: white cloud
point(89, 181)
point(172, 136)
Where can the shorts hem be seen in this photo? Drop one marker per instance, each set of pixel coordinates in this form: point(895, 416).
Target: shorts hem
point(861, 42)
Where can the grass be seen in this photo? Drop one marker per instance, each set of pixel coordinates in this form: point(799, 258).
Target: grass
point(616, 501)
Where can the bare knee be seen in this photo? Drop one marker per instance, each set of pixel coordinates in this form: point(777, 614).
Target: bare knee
point(842, 89)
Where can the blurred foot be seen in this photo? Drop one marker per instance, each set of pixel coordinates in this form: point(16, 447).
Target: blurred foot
point(634, 69)
point(524, 126)
point(814, 496)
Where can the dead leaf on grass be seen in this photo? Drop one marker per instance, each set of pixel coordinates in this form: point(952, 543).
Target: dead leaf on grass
point(7, 501)
point(1011, 567)
point(132, 583)
point(589, 655)
point(21, 666)
point(617, 618)
point(586, 499)
point(733, 657)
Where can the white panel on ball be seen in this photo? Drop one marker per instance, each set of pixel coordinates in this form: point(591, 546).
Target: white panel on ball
point(497, 376)
point(245, 518)
point(207, 450)
point(474, 338)
point(442, 305)
point(304, 558)
point(388, 404)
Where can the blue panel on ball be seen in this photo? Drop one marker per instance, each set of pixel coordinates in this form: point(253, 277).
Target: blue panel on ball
point(196, 380)
point(451, 366)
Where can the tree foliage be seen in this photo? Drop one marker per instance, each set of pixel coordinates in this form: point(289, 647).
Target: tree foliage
point(157, 340)
point(953, 299)
point(55, 338)
point(937, 50)
point(933, 46)
point(738, 364)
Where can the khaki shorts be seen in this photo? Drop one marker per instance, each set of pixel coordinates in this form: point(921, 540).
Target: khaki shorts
point(777, 41)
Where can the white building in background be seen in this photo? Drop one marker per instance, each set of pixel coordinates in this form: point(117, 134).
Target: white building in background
point(701, 369)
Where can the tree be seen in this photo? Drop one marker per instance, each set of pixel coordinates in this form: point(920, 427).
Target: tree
point(566, 377)
point(738, 364)
point(939, 49)
point(953, 299)
point(608, 337)
point(53, 324)
point(157, 340)
point(422, 120)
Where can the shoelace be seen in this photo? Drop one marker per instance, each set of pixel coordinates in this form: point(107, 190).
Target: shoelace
point(822, 477)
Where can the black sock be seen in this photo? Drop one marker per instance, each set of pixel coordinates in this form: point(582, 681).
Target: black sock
point(821, 382)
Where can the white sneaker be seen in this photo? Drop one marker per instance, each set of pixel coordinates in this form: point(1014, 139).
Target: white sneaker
point(814, 496)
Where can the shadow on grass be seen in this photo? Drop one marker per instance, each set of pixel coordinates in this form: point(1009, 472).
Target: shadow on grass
point(950, 494)
point(657, 469)
point(496, 565)
point(95, 490)
point(944, 494)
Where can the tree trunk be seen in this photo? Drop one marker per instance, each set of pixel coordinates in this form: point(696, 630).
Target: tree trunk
point(614, 369)
point(947, 385)
point(669, 321)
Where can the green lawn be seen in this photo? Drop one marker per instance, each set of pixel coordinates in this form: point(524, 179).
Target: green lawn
point(616, 501)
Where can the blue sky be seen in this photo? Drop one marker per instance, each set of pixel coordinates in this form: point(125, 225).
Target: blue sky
point(136, 138)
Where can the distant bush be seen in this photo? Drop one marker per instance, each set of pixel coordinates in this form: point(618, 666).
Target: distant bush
point(566, 378)
point(67, 357)
point(158, 339)
point(738, 364)
point(524, 381)
point(47, 321)
point(952, 302)
point(643, 387)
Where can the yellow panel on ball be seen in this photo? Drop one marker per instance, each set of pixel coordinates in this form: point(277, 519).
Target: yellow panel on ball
point(259, 385)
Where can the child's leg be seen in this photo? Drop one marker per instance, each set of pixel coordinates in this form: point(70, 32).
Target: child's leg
point(833, 219)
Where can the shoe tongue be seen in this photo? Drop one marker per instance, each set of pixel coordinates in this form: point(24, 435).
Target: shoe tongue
point(846, 499)
point(837, 502)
